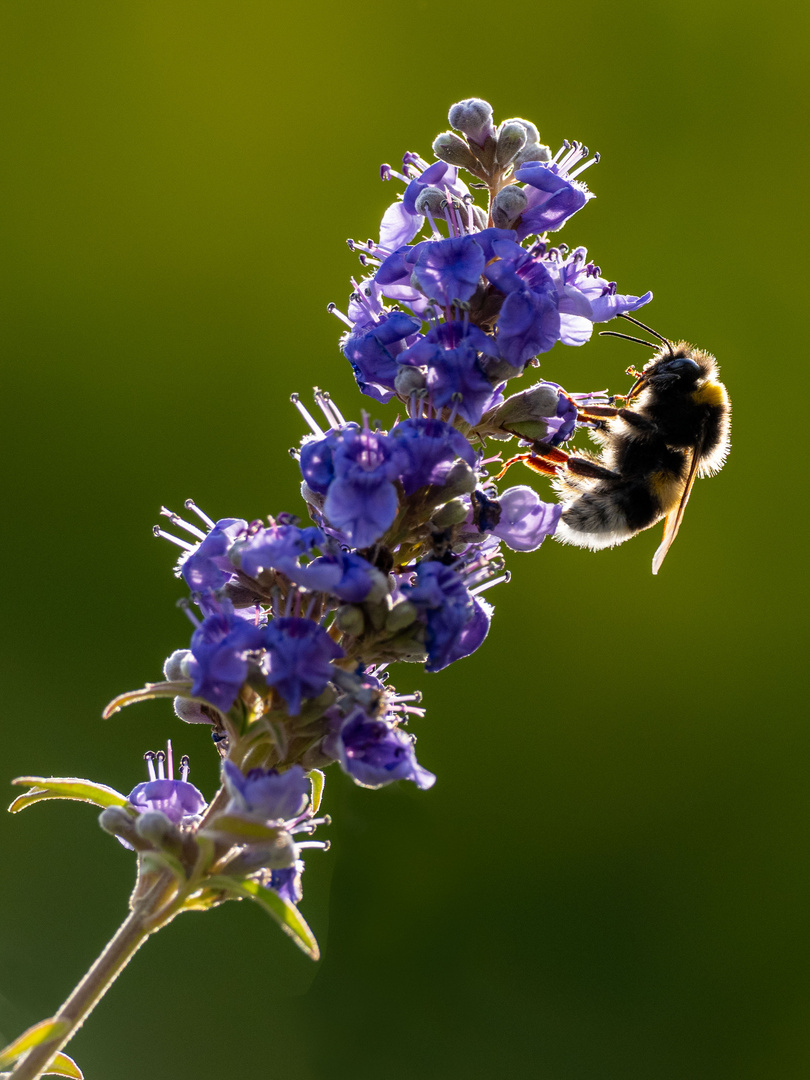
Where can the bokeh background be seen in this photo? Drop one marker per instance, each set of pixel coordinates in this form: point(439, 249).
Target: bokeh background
point(611, 878)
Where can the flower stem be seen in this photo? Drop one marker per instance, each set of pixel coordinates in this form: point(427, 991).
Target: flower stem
point(133, 932)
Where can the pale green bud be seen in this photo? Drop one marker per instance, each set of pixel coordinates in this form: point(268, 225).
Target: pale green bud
point(450, 148)
point(507, 206)
point(511, 139)
point(452, 513)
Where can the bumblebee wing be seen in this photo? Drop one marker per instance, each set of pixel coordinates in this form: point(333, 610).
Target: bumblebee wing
point(675, 517)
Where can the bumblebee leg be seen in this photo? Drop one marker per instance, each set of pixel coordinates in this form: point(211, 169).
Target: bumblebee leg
point(535, 462)
point(590, 470)
point(598, 412)
point(637, 420)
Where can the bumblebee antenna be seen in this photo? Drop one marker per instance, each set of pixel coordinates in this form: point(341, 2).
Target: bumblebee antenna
point(615, 333)
point(649, 330)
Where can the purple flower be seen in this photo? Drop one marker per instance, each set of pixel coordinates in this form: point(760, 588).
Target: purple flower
point(487, 238)
point(374, 752)
point(266, 793)
point(346, 575)
point(470, 637)
point(318, 459)
point(218, 662)
point(280, 548)
point(455, 378)
point(449, 270)
point(528, 324)
point(584, 297)
point(525, 521)
point(514, 269)
point(372, 352)
point(553, 193)
point(361, 500)
point(529, 321)
point(393, 278)
point(208, 565)
point(177, 799)
point(299, 659)
point(287, 883)
point(445, 607)
point(401, 222)
point(430, 449)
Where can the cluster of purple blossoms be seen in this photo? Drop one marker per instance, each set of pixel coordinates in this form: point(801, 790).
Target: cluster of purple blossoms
point(457, 299)
point(296, 625)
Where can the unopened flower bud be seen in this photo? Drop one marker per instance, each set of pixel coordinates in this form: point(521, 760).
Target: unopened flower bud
point(409, 380)
point(532, 153)
point(400, 616)
point(408, 645)
point(532, 134)
point(498, 370)
point(507, 206)
point(473, 117)
point(117, 822)
point(452, 513)
point(276, 855)
point(154, 826)
point(191, 711)
point(524, 413)
point(350, 619)
point(450, 148)
point(174, 666)
point(432, 199)
point(460, 480)
point(511, 139)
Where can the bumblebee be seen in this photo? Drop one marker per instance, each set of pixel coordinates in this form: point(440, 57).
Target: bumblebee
point(674, 426)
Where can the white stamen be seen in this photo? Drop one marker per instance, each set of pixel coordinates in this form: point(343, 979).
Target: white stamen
point(327, 407)
point(334, 310)
point(452, 230)
point(185, 606)
point(434, 228)
point(455, 213)
point(149, 758)
point(488, 584)
point(175, 519)
point(307, 415)
point(184, 768)
point(582, 168)
point(184, 544)
point(191, 505)
point(160, 758)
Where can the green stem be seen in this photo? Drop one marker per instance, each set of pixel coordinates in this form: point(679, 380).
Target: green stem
point(129, 937)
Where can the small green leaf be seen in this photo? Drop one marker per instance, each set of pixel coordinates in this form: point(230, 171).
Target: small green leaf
point(318, 782)
point(42, 1032)
point(288, 917)
point(148, 693)
point(62, 1065)
point(242, 827)
point(65, 787)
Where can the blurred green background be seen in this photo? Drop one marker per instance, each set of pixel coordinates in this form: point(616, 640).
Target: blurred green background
point(611, 878)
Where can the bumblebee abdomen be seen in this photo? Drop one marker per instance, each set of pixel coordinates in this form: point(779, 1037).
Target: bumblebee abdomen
point(609, 514)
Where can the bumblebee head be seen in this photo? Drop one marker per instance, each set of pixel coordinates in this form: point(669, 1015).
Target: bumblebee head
point(675, 369)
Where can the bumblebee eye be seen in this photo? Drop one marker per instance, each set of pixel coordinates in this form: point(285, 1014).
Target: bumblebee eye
point(682, 365)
